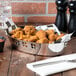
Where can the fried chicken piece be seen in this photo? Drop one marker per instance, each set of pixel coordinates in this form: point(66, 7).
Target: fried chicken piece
point(18, 34)
point(41, 34)
point(43, 40)
point(33, 38)
point(21, 35)
point(30, 38)
point(13, 36)
point(56, 35)
point(50, 32)
point(61, 35)
point(26, 37)
point(51, 42)
point(29, 30)
point(16, 30)
point(52, 37)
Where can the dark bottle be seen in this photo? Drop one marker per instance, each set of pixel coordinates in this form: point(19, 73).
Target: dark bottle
point(72, 20)
point(61, 18)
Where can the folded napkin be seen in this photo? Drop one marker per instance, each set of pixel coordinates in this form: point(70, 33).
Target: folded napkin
point(53, 68)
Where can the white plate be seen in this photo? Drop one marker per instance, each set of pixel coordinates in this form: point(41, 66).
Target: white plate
point(53, 68)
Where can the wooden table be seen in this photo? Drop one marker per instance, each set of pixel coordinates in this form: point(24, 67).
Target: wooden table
point(13, 62)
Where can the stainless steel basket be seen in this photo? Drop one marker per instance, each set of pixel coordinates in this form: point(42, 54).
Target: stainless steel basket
point(32, 47)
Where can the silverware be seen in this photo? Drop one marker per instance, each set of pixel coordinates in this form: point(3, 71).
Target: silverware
point(54, 62)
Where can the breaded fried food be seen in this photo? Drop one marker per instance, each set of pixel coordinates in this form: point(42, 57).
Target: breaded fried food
point(56, 35)
point(16, 30)
point(50, 42)
point(50, 32)
point(13, 36)
point(52, 37)
point(21, 35)
point(18, 34)
point(33, 38)
point(41, 34)
point(29, 30)
point(26, 37)
point(43, 40)
point(61, 35)
point(29, 33)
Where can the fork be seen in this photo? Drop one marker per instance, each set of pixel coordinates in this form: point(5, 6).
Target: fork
point(54, 62)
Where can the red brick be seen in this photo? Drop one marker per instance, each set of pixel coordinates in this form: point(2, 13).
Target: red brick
point(28, 8)
point(41, 19)
point(18, 19)
point(52, 8)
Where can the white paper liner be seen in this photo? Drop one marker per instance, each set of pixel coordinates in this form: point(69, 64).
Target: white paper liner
point(56, 47)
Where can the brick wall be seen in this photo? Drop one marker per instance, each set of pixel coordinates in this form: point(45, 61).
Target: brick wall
point(35, 11)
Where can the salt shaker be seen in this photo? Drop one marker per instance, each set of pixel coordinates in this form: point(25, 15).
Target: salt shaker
point(61, 18)
point(72, 20)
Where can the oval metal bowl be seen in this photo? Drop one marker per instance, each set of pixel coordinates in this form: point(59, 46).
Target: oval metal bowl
point(31, 47)
point(38, 49)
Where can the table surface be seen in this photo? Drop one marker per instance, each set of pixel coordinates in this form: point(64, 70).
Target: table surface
point(13, 62)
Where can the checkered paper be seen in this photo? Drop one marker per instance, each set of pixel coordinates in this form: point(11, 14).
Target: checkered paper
point(8, 25)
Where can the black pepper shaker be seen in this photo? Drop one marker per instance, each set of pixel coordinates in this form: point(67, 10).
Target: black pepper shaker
point(72, 20)
point(61, 18)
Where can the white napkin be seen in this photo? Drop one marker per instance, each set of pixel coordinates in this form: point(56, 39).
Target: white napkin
point(67, 37)
point(56, 47)
point(53, 68)
point(51, 26)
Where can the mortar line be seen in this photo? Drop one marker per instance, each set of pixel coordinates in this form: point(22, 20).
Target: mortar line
point(20, 15)
point(26, 16)
point(46, 9)
point(35, 1)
